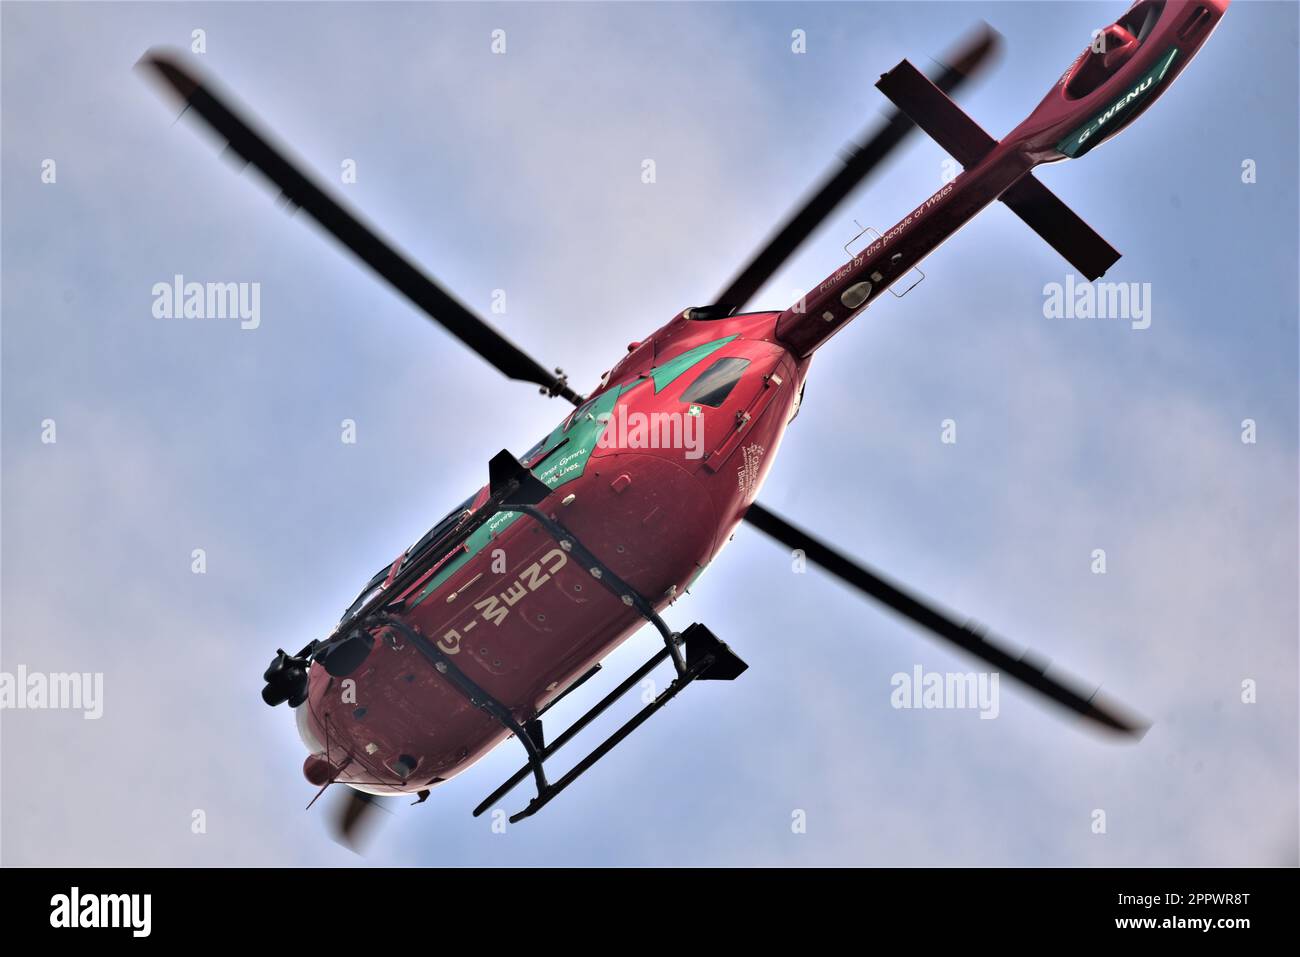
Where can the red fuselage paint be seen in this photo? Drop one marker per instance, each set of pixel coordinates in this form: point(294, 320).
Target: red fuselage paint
point(527, 620)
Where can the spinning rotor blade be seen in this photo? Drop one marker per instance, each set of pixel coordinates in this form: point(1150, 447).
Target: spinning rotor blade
point(1021, 667)
point(863, 157)
point(354, 818)
point(374, 250)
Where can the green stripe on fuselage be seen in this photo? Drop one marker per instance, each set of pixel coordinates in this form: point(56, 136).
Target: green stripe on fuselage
point(1085, 137)
point(670, 370)
point(571, 461)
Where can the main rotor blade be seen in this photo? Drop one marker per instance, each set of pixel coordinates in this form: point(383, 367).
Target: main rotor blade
point(374, 250)
point(862, 157)
point(975, 642)
point(353, 819)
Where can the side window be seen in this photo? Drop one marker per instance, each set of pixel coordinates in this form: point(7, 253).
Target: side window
point(438, 531)
point(527, 458)
point(367, 593)
point(716, 382)
point(579, 413)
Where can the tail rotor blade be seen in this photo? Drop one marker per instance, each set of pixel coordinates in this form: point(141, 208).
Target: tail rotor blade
point(984, 646)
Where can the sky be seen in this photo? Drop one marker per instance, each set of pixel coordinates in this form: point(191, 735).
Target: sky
point(522, 172)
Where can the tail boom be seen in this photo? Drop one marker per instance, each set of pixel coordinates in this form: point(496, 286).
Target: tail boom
point(1102, 92)
point(806, 325)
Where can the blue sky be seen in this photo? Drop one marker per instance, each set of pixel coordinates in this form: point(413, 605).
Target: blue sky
point(522, 172)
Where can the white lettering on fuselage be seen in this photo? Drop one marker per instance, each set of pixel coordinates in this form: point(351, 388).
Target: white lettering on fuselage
point(747, 474)
point(1116, 107)
point(894, 233)
point(495, 608)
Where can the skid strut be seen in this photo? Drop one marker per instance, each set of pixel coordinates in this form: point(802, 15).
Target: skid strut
point(706, 657)
point(714, 660)
point(462, 682)
point(603, 574)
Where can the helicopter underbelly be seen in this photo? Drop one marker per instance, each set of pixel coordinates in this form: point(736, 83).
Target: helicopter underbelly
point(524, 619)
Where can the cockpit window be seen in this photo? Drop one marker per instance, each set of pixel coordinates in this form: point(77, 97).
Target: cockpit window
point(438, 531)
point(535, 452)
point(579, 414)
point(416, 551)
point(715, 383)
point(367, 593)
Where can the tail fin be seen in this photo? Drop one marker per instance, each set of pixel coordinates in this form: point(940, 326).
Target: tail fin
point(1040, 210)
point(930, 108)
point(962, 138)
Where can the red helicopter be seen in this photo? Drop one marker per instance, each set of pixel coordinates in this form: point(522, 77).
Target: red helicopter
point(509, 603)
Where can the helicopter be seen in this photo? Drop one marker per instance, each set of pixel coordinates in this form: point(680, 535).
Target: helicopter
point(509, 603)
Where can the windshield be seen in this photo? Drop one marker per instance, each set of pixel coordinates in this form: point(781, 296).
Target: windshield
point(716, 382)
point(579, 413)
point(450, 521)
point(532, 454)
point(372, 588)
point(414, 553)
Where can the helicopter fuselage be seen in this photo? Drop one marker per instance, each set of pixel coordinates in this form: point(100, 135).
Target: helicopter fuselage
point(652, 474)
point(654, 470)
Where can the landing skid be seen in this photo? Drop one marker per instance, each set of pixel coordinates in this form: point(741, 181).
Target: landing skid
point(709, 659)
